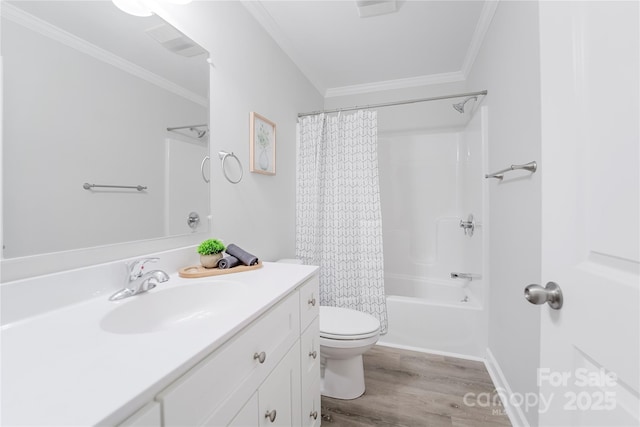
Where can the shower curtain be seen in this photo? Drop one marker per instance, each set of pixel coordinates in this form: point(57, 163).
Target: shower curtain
point(338, 216)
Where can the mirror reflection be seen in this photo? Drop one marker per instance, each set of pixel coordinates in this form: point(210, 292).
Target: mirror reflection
point(105, 128)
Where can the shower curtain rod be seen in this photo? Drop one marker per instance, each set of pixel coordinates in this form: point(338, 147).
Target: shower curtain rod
point(391, 104)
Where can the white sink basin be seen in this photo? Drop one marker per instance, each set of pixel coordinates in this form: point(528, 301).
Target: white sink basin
point(158, 309)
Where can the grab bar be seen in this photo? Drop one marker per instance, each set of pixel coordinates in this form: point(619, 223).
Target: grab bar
point(88, 186)
point(531, 167)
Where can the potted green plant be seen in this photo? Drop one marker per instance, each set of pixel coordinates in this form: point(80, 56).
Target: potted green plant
point(210, 252)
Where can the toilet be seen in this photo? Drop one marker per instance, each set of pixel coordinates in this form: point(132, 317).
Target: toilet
point(345, 335)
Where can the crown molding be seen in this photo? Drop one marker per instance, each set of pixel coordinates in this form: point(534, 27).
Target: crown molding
point(484, 22)
point(410, 82)
point(266, 21)
point(44, 28)
point(260, 14)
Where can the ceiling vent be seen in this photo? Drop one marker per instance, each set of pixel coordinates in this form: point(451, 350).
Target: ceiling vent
point(174, 40)
point(367, 8)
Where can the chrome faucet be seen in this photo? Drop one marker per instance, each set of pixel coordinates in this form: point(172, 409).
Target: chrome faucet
point(468, 226)
point(138, 281)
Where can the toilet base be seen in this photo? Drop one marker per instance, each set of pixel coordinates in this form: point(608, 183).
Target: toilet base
point(343, 378)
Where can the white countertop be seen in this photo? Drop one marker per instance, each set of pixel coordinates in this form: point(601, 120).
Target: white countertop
point(62, 368)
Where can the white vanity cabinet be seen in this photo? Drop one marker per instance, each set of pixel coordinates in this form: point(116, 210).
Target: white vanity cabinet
point(266, 375)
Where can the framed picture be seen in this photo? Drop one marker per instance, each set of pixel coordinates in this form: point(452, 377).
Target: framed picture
point(262, 151)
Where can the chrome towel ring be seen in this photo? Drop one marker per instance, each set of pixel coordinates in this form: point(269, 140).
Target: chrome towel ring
point(223, 155)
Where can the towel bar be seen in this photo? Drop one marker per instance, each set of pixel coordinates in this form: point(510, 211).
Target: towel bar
point(88, 186)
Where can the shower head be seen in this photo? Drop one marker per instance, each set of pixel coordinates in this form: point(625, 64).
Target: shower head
point(459, 107)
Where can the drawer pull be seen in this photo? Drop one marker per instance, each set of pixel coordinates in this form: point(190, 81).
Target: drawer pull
point(271, 415)
point(262, 356)
point(314, 415)
point(312, 302)
point(313, 354)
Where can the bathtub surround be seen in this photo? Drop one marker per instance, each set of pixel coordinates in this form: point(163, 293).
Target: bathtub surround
point(338, 217)
point(436, 317)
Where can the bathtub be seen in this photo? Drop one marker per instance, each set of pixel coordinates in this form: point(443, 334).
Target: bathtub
point(434, 315)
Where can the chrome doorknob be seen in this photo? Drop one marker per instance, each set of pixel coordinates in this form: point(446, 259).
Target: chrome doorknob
point(551, 294)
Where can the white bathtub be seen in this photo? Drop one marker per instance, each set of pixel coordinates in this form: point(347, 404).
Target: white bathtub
point(434, 315)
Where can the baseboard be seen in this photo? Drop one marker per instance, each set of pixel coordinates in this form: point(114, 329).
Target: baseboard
point(427, 350)
point(515, 414)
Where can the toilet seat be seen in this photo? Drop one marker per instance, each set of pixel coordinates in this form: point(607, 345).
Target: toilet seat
point(339, 323)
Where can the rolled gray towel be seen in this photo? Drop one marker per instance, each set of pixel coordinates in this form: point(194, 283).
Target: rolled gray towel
point(228, 262)
point(245, 257)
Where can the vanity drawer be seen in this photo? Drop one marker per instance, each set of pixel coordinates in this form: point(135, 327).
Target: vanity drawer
point(310, 354)
point(195, 397)
point(309, 301)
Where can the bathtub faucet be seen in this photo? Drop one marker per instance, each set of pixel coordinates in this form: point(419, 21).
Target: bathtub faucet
point(468, 276)
point(468, 226)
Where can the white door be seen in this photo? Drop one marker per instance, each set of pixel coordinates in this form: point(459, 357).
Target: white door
point(590, 194)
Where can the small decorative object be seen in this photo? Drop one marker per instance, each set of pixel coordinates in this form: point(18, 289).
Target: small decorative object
point(262, 147)
point(210, 252)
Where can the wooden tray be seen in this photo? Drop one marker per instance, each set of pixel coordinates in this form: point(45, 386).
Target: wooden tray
point(196, 271)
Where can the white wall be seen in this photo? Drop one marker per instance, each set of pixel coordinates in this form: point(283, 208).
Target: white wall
point(250, 73)
point(508, 67)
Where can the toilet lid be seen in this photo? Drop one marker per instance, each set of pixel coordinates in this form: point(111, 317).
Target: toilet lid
point(345, 323)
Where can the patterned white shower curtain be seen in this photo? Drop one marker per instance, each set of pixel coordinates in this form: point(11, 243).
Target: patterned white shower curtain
point(338, 215)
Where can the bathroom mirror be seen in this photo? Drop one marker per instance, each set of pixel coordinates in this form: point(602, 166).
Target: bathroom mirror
point(89, 94)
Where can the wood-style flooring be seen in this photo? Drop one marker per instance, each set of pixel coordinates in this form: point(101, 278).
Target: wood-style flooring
point(411, 389)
